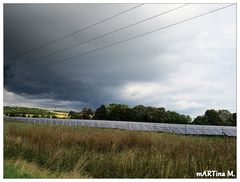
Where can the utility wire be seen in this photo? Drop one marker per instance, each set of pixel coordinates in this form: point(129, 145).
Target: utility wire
point(98, 37)
point(125, 40)
point(68, 35)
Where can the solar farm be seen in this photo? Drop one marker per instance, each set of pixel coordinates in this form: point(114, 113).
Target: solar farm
point(186, 129)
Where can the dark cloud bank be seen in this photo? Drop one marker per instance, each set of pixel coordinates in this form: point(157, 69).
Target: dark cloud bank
point(187, 68)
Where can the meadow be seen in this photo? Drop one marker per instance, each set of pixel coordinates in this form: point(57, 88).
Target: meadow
point(48, 151)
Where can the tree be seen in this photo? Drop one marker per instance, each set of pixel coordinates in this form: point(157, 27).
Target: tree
point(226, 117)
point(86, 113)
point(126, 114)
point(161, 114)
point(71, 114)
point(101, 113)
point(139, 113)
point(117, 111)
point(151, 115)
point(212, 117)
point(234, 119)
point(201, 120)
point(74, 115)
point(54, 116)
point(35, 116)
point(23, 115)
point(220, 117)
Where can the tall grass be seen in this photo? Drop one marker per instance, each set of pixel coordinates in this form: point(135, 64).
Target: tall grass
point(109, 153)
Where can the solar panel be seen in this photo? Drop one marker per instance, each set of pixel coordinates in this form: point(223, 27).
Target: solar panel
point(147, 127)
point(134, 126)
point(122, 125)
point(190, 132)
point(196, 131)
point(162, 127)
point(178, 130)
point(212, 130)
point(109, 125)
point(230, 131)
point(100, 125)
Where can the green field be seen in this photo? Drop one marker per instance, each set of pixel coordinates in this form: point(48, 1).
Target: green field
point(47, 151)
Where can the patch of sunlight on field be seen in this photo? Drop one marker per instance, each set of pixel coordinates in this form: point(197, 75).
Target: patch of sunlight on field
point(60, 114)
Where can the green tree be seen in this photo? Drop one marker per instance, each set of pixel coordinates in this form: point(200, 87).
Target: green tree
point(234, 119)
point(117, 111)
point(101, 113)
point(139, 113)
point(174, 117)
point(226, 117)
point(212, 117)
point(199, 120)
point(74, 115)
point(220, 117)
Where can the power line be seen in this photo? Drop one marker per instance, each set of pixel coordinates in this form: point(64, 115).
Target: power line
point(68, 35)
point(109, 45)
point(98, 37)
point(125, 40)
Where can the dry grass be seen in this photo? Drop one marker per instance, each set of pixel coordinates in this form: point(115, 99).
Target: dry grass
point(104, 153)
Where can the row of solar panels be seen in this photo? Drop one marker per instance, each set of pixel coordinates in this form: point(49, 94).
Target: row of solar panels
point(160, 127)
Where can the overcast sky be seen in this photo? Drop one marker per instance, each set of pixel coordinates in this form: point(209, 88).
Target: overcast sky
point(187, 68)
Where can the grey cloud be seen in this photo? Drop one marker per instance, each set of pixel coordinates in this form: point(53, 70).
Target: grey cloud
point(196, 59)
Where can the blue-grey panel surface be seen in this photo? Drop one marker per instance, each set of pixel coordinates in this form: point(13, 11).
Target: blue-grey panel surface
point(187, 129)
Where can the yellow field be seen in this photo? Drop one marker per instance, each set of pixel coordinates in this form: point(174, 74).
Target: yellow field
point(29, 115)
point(60, 114)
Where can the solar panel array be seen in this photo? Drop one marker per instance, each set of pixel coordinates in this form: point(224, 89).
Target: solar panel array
point(186, 129)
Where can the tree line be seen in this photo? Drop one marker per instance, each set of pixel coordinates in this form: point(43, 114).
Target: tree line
point(139, 113)
point(220, 117)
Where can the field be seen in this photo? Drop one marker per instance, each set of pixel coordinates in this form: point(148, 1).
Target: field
point(48, 151)
point(60, 114)
point(33, 112)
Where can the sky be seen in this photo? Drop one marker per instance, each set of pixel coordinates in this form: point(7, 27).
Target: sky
point(188, 68)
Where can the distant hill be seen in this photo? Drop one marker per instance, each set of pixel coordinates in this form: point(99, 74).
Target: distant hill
point(33, 112)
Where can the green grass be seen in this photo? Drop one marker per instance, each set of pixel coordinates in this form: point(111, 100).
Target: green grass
point(77, 152)
point(23, 169)
point(11, 171)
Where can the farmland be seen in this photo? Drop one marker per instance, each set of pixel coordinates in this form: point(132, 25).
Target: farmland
point(81, 152)
point(33, 112)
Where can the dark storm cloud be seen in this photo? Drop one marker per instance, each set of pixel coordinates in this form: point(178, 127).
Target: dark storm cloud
point(91, 72)
point(162, 69)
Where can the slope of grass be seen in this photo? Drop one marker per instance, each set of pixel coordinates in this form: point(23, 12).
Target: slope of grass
point(23, 169)
point(111, 153)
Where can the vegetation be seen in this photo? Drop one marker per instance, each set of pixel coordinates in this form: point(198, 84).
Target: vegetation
point(121, 112)
point(110, 153)
point(23, 169)
point(220, 117)
point(86, 113)
point(11, 171)
point(25, 112)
